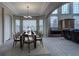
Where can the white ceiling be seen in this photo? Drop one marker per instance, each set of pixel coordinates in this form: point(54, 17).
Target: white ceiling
point(35, 8)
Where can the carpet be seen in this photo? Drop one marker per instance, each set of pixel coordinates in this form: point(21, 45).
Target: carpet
point(8, 50)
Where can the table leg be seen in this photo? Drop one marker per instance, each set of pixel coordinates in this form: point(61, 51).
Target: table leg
point(35, 44)
point(21, 46)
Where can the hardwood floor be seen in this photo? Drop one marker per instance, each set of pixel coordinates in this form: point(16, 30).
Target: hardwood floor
point(58, 46)
point(53, 46)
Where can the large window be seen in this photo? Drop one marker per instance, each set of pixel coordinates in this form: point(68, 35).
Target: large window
point(54, 22)
point(29, 23)
point(68, 10)
point(75, 7)
point(41, 26)
point(24, 25)
point(55, 11)
point(65, 9)
point(76, 26)
point(17, 25)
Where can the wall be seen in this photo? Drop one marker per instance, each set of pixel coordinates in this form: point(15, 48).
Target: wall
point(0, 25)
point(65, 16)
point(5, 23)
point(7, 27)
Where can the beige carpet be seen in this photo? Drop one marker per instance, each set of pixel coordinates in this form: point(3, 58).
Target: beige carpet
point(8, 50)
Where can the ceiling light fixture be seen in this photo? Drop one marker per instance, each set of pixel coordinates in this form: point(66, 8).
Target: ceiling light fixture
point(27, 14)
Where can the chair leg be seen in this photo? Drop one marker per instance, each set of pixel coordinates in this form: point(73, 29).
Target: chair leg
point(14, 43)
point(34, 44)
point(41, 43)
point(23, 43)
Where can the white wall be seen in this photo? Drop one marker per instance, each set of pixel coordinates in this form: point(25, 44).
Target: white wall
point(7, 27)
point(65, 17)
point(0, 25)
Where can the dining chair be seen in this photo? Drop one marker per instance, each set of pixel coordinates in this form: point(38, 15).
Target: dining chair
point(16, 38)
point(39, 38)
point(28, 39)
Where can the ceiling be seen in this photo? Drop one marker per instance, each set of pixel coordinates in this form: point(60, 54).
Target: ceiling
point(35, 8)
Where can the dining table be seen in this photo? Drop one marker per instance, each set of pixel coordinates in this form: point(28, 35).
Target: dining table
point(23, 35)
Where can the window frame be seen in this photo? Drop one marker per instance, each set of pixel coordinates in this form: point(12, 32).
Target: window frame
point(67, 8)
point(51, 23)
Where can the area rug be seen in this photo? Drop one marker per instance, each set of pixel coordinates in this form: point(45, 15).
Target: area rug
point(9, 50)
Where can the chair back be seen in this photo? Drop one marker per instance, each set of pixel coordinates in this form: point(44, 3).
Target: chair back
point(16, 35)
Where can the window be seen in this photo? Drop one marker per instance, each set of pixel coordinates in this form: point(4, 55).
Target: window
point(76, 25)
point(17, 25)
point(29, 23)
point(55, 12)
point(24, 25)
point(54, 22)
point(75, 7)
point(41, 26)
point(65, 9)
